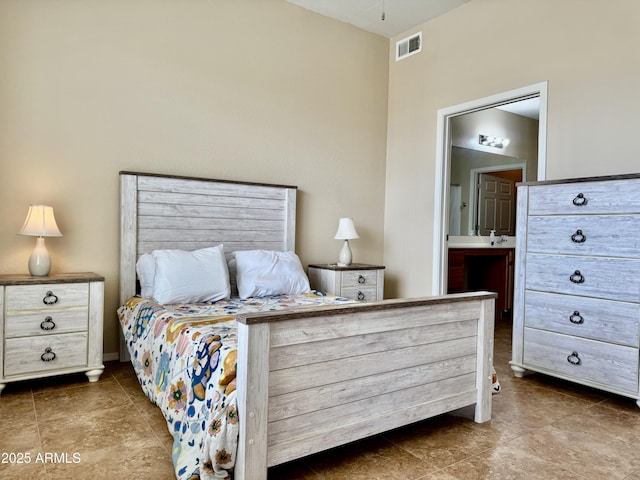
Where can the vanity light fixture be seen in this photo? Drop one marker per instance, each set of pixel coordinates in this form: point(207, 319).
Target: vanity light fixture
point(491, 141)
point(40, 222)
point(346, 231)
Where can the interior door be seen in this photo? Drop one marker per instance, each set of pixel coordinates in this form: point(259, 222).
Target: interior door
point(496, 205)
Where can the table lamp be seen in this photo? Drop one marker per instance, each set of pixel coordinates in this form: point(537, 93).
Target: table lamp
point(346, 231)
point(40, 222)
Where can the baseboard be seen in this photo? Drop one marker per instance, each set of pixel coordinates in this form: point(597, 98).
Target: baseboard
point(109, 357)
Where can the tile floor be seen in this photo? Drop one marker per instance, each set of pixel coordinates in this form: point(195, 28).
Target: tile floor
point(541, 429)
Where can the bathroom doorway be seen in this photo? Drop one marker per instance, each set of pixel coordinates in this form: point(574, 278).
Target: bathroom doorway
point(447, 118)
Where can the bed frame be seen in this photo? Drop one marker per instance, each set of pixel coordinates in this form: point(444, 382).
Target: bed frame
point(367, 367)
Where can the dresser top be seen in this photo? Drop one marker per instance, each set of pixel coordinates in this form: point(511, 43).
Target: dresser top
point(628, 176)
point(26, 279)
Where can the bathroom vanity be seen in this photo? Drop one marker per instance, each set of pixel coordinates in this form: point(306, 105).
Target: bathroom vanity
point(474, 265)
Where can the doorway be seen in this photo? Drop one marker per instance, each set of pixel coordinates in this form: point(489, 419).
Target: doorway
point(443, 164)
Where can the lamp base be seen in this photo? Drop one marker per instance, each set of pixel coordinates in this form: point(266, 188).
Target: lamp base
point(345, 257)
point(40, 260)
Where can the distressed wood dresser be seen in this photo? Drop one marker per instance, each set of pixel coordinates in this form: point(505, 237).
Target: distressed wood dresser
point(577, 285)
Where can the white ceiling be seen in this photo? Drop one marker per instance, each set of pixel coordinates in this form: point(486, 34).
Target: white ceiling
point(527, 108)
point(399, 15)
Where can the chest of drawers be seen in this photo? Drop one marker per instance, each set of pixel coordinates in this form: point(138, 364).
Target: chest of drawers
point(357, 281)
point(50, 325)
point(577, 284)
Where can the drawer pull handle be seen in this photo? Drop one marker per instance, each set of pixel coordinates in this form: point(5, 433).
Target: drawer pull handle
point(48, 355)
point(574, 359)
point(578, 237)
point(576, 318)
point(361, 280)
point(48, 324)
point(577, 277)
point(580, 200)
point(360, 295)
point(50, 298)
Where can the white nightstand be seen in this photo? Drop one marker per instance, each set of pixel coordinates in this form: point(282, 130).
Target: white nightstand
point(357, 281)
point(50, 326)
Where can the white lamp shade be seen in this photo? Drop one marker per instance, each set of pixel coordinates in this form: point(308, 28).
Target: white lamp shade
point(40, 222)
point(346, 230)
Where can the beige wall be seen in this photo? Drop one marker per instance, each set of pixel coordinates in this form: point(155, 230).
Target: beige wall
point(256, 90)
point(587, 50)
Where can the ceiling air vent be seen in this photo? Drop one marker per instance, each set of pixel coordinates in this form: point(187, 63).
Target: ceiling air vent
point(409, 46)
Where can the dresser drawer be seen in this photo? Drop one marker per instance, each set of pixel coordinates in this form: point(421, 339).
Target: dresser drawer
point(611, 365)
point(594, 318)
point(610, 278)
point(613, 235)
point(46, 322)
point(46, 296)
point(613, 196)
point(363, 278)
point(368, 294)
point(25, 355)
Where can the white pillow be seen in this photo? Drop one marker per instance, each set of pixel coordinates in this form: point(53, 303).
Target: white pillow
point(265, 272)
point(190, 277)
point(146, 269)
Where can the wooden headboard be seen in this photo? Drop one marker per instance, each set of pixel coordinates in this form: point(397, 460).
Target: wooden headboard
point(187, 213)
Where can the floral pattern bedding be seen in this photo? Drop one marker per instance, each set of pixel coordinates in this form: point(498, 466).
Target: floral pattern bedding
point(185, 359)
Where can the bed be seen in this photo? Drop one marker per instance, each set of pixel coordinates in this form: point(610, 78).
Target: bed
point(319, 374)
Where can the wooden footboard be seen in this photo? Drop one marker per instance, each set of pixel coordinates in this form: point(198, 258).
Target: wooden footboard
point(309, 380)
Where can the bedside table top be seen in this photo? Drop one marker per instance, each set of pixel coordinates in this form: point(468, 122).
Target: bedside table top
point(26, 279)
point(353, 266)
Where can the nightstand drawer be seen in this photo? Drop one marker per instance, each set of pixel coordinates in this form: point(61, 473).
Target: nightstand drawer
point(361, 294)
point(46, 323)
point(46, 296)
point(363, 278)
point(39, 354)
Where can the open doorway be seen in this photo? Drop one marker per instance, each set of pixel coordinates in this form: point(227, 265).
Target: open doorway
point(444, 158)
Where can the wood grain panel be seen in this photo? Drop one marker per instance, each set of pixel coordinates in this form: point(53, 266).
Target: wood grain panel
point(612, 365)
point(326, 437)
point(374, 406)
point(610, 197)
point(592, 317)
point(612, 236)
point(332, 394)
point(23, 355)
point(324, 327)
point(307, 376)
point(609, 278)
point(339, 348)
point(21, 298)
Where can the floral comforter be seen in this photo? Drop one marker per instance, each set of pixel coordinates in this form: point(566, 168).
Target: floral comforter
point(185, 359)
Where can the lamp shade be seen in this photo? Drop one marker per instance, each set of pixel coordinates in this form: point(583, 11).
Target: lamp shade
point(346, 230)
point(40, 222)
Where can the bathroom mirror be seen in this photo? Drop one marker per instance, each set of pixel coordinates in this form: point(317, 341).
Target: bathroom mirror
point(483, 193)
point(483, 177)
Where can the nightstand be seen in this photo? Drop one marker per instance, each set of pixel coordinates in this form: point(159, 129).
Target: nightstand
point(50, 326)
point(357, 281)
